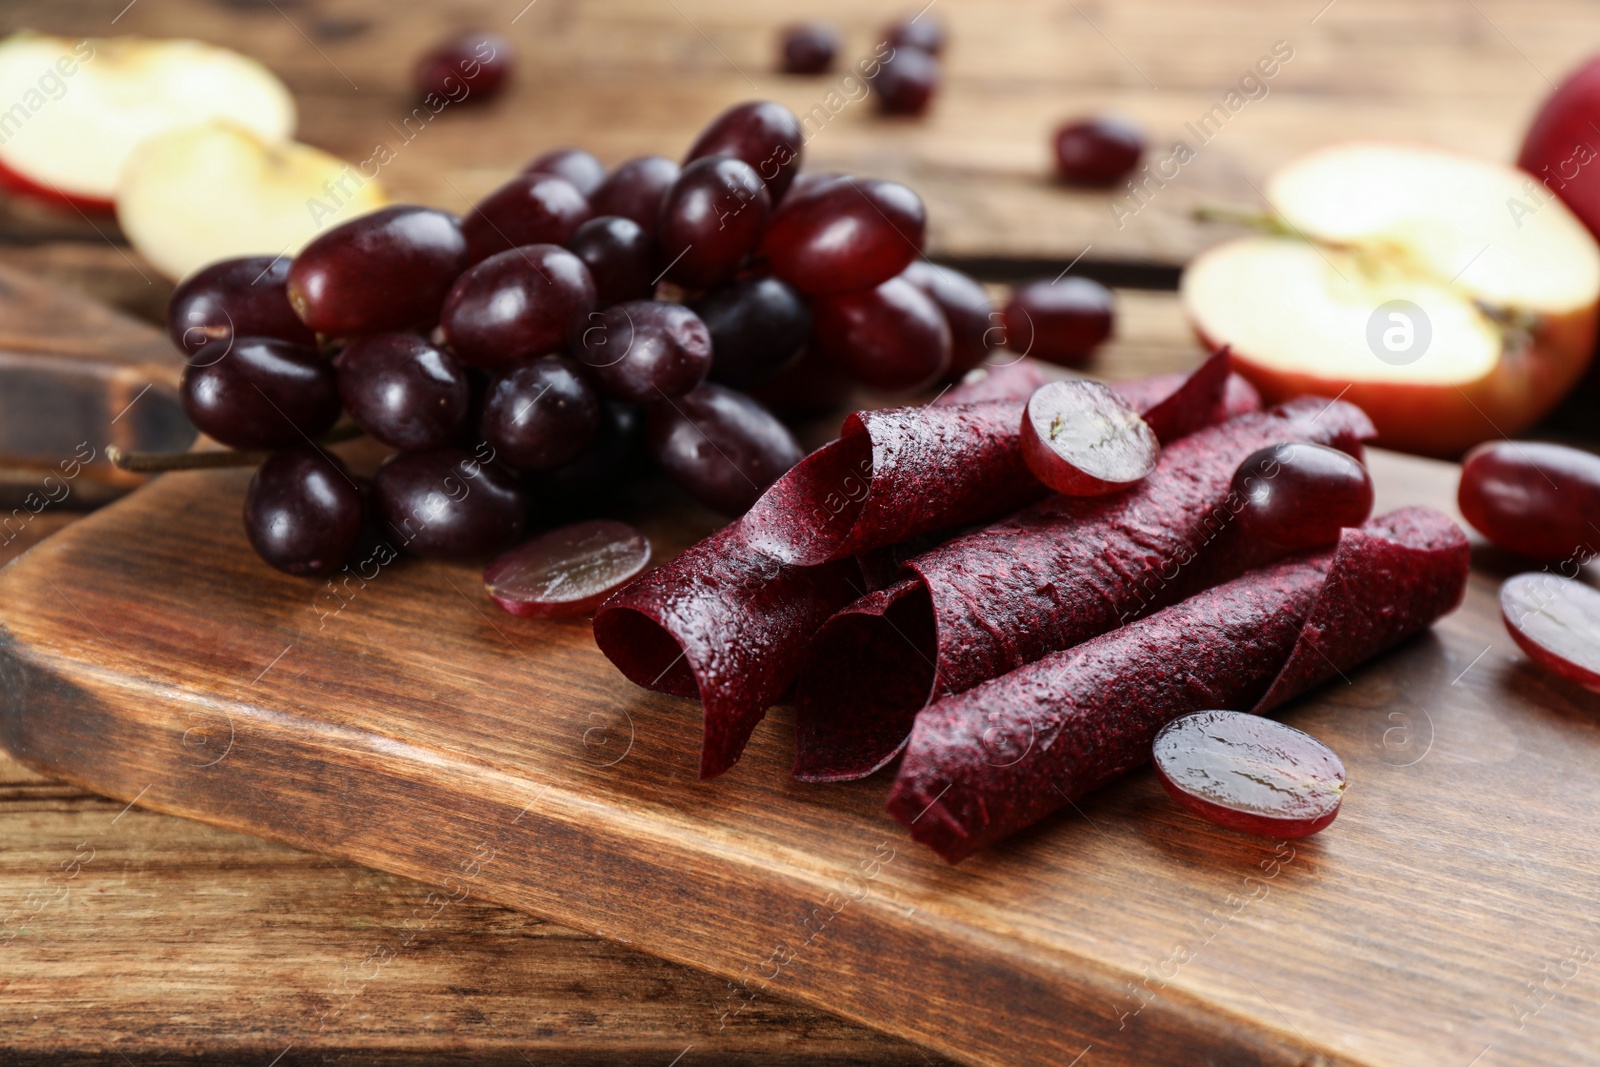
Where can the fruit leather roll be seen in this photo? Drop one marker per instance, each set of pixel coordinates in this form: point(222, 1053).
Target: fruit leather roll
point(999, 757)
point(1057, 573)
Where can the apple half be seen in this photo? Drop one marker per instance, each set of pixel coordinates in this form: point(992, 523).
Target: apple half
point(1411, 281)
point(194, 195)
point(73, 111)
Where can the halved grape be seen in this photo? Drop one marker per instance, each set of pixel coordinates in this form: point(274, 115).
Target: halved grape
point(1249, 773)
point(1556, 621)
point(569, 571)
point(1082, 439)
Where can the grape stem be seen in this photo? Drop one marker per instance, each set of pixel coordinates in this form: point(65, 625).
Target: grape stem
point(216, 459)
point(1265, 221)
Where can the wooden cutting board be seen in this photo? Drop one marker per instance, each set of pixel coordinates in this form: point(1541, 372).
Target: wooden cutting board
point(411, 726)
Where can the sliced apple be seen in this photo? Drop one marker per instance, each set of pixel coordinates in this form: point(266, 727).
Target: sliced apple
point(78, 108)
point(1402, 278)
point(195, 195)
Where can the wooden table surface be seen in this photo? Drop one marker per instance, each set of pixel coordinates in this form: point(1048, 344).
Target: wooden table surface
point(152, 939)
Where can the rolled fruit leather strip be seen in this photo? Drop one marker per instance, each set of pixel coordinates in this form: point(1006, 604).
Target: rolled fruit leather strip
point(988, 762)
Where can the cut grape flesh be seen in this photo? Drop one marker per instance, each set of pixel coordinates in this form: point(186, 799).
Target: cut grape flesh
point(1556, 621)
point(1082, 439)
point(568, 571)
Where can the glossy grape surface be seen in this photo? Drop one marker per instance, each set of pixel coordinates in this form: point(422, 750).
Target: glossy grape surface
point(254, 392)
point(758, 326)
point(568, 571)
point(245, 297)
point(539, 414)
point(303, 511)
point(1249, 773)
point(1539, 500)
point(621, 258)
point(922, 30)
point(1300, 495)
point(516, 305)
point(711, 220)
point(644, 351)
point(467, 68)
point(892, 337)
point(721, 446)
point(402, 390)
point(387, 270)
point(1081, 439)
point(974, 327)
point(577, 166)
point(530, 209)
point(1059, 322)
point(635, 189)
point(840, 235)
point(1556, 621)
point(444, 503)
point(907, 82)
point(765, 135)
point(1097, 151)
point(808, 48)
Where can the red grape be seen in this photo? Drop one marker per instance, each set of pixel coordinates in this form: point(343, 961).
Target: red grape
point(1556, 621)
point(540, 414)
point(466, 68)
point(402, 390)
point(647, 350)
point(843, 234)
point(530, 209)
point(808, 48)
point(1082, 439)
point(1060, 321)
point(634, 190)
point(923, 31)
point(721, 446)
point(892, 337)
point(443, 503)
point(1299, 495)
point(711, 220)
point(569, 571)
point(765, 135)
point(302, 512)
point(245, 297)
point(1249, 773)
point(580, 168)
point(907, 82)
point(254, 392)
point(1539, 500)
point(387, 270)
point(758, 326)
point(1097, 151)
point(966, 308)
point(517, 304)
point(621, 258)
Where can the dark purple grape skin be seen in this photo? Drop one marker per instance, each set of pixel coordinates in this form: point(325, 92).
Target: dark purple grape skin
point(256, 392)
point(907, 82)
point(245, 297)
point(539, 414)
point(1298, 495)
point(517, 305)
point(711, 220)
point(808, 48)
point(1097, 151)
point(466, 68)
point(635, 189)
point(303, 512)
point(1058, 321)
point(765, 135)
point(621, 258)
point(445, 503)
point(967, 309)
point(758, 326)
point(591, 478)
point(922, 31)
point(577, 166)
point(843, 235)
point(893, 337)
point(530, 209)
point(721, 446)
point(387, 270)
point(812, 386)
point(402, 390)
point(646, 350)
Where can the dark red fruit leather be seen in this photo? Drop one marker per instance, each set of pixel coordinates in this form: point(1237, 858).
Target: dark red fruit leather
point(1002, 756)
point(1057, 573)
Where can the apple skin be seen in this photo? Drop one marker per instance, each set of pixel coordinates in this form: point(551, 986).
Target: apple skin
point(1560, 149)
point(1446, 419)
point(20, 186)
